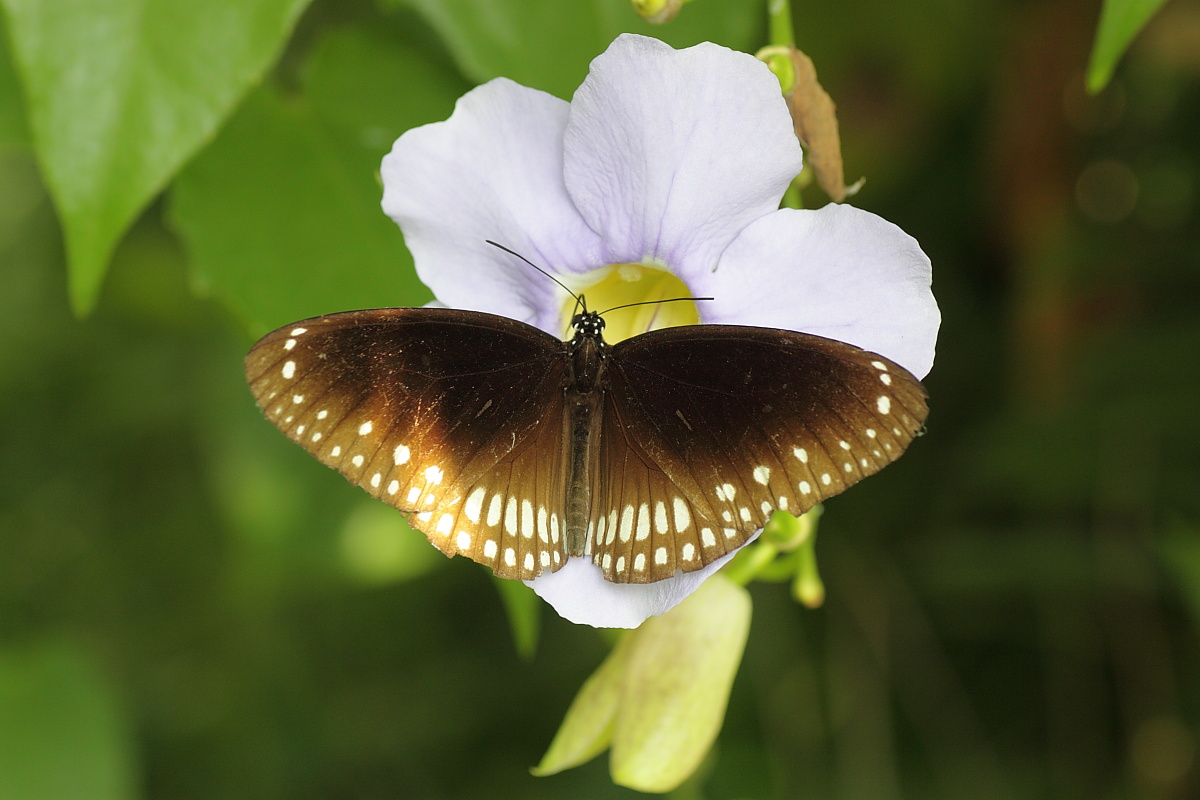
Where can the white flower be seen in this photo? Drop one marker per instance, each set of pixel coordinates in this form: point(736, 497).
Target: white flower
point(665, 161)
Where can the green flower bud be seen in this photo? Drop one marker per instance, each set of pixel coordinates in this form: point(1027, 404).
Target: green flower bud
point(659, 699)
point(677, 685)
point(658, 12)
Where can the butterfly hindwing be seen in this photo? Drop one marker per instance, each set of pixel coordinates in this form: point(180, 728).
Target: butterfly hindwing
point(434, 411)
point(508, 519)
point(730, 423)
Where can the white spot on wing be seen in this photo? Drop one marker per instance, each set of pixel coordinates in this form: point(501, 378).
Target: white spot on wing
point(643, 521)
point(884, 404)
point(762, 474)
point(299, 331)
point(527, 519)
point(510, 516)
point(683, 517)
point(434, 474)
point(801, 454)
point(365, 428)
point(474, 504)
point(289, 370)
point(493, 517)
point(626, 523)
point(660, 517)
point(401, 455)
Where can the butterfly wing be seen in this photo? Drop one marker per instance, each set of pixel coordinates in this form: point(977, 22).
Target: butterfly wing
point(444, 414)
point(708, 429)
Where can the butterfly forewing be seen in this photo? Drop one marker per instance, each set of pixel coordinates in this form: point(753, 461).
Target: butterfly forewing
point(438, 412)
point(709, 429)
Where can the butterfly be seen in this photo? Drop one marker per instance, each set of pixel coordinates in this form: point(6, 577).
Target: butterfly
point(507, 445)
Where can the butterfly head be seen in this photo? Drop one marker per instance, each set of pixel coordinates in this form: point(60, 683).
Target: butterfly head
point(588, 323)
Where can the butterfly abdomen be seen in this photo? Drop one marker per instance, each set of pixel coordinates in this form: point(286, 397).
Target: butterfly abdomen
point(582, 421)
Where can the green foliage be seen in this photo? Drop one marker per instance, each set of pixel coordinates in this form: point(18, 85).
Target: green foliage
point(120, 93)
point(1120, 22)
point(65, 736)
point(524, 609)
point(281, 214)
point(548, 44)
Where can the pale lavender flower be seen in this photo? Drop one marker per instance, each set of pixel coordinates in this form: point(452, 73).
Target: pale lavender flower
point(671, 160)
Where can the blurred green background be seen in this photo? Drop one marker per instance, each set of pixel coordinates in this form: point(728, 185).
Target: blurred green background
point(192, 607)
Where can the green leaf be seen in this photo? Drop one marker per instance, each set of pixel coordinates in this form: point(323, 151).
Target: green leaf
point(1120, 22)
point(12, 120)
point(1179, 548)
point(548, 44)
point(524, 610)
point(120, 93)
point(281, 214)
point(62, 733)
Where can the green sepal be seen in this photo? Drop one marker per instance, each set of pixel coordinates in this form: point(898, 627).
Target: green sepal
point(679, 677)
point(587, 728)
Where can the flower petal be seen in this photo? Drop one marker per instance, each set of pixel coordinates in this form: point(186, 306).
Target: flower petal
point(579, 593)
point(838, 272)
point(670, 153)
point(493, 170)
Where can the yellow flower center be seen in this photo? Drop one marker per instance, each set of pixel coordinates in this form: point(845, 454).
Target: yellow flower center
point(621, 284)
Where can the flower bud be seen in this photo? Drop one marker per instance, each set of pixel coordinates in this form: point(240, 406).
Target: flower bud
point(658, 12)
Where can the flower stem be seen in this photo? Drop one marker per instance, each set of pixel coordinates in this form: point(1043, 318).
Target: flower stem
point(779, 15)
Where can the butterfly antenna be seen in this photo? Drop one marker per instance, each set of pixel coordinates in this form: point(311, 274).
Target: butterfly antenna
point(654, 302)
point(578, 298)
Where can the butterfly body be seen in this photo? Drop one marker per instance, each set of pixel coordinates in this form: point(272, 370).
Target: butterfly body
point(660, 453)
